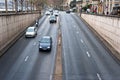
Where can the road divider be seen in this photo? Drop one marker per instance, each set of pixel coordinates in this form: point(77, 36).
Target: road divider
point(58, 62)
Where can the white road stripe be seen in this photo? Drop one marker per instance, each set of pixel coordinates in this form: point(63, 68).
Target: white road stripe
point(26, 58)
point(88, 54)
point(81, 40)
point(98, 75)
point(77, 32)
point(74, 26)
point(51, 77)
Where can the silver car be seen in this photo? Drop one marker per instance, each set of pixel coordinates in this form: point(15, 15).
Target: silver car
point(31, 32)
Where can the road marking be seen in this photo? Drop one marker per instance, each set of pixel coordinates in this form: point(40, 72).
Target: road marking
point(82, 41)
point(51, 77)
point(34, 43)
point(26, 58)
point(98, 75)
point(74, 26)
point(88, 54)
point(77, 32)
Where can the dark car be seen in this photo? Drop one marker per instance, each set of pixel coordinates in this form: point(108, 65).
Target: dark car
point(68, 11)
point(45, 43)
point(53, 19)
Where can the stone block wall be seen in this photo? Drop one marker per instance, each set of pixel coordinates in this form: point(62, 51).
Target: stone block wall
point(107, 27)
point(13, 25)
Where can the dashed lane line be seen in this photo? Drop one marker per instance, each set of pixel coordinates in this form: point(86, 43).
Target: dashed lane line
point(98, 75)
point(88, 54)
point(26, 58)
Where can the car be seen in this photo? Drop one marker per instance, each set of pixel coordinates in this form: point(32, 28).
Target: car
point(47, 13)
point(68, 11)
point(56, 14)
point(53, 19)
point(45, 43)
point(31, 32)
point(56, 11)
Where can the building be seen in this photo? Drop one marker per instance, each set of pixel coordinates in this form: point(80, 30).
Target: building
point(109, 4)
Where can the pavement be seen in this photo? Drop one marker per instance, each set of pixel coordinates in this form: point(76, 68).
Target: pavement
point(83, 55)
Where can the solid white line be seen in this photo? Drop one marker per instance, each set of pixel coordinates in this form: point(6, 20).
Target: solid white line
point(81, 40)
point(26, 58)
point(98, 75)
point(50, 77)
point(88, 54)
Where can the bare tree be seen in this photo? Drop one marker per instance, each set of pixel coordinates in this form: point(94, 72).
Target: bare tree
point(21, 2)
point(6, 6)
point(16, 5)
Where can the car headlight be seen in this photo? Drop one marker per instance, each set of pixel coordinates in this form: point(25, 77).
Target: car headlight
point(48, 47)
point(40, 46)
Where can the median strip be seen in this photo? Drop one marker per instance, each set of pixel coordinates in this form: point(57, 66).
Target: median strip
point(58, 63)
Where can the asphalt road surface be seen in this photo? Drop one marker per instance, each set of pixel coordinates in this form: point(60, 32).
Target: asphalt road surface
point(84, 57)
point(23, 61)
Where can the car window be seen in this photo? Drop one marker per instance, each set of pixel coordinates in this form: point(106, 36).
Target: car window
point(45, 40)
point(30, 30)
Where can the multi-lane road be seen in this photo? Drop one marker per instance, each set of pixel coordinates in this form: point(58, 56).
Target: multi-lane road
point(84, 57)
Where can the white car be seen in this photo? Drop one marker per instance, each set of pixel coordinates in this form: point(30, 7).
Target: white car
point(56, 14)
point(31, 32)
point(47, 13)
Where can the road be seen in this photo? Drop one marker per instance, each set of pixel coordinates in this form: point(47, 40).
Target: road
point(84, 57)
point(23, 61)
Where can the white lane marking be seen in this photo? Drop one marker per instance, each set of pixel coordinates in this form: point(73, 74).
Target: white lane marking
point(74, 26)
point(26, 58)
point(98, 75)
point(34, 43)
point(77, 32)
point(82, 41)
point(50, 77)
point(88, 54)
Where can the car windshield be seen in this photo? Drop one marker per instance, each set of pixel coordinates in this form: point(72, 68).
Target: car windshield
point(52, 17)
point(45, 40)
point(30, 30)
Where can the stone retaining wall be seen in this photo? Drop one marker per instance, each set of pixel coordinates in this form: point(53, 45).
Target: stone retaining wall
point(107, 27)
point(13, 25)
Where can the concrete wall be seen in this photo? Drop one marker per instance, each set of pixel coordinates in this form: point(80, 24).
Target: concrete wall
point(107, 27)
point(12, 25)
